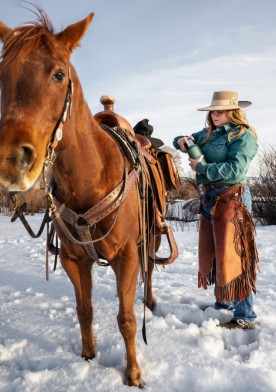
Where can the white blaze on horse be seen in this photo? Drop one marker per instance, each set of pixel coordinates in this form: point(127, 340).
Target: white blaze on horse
point(45, 120)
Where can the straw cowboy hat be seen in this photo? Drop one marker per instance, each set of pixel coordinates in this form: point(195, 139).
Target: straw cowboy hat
point(226, 100)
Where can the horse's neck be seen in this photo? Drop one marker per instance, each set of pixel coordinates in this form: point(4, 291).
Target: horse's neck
point(88, 163)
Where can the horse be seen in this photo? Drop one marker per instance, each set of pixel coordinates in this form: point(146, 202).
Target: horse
point(45, 121)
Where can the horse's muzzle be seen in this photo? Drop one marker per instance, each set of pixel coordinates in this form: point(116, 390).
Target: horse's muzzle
point(16, 167)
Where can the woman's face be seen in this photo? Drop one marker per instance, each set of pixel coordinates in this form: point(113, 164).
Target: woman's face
point(220, 117)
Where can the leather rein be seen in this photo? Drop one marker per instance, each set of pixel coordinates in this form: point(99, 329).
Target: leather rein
point(48, 163)
point(85, 223)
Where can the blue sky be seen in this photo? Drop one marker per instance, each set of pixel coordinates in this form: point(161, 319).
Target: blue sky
point(163, 59)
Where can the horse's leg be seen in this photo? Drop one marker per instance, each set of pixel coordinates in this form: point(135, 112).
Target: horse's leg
point(126, 269)
point(79, 272)
point(149, 301)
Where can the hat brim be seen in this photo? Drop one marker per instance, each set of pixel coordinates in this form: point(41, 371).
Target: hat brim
point(241, 105)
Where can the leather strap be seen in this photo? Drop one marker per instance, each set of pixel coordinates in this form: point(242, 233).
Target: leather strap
point(107, 205)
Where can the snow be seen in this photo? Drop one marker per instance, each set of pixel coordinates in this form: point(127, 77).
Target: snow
point(40, 342)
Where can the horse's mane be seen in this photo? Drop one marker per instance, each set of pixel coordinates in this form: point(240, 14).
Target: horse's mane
point(28, 37)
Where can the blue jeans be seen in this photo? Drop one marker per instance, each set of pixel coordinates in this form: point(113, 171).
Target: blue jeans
point(243, 310)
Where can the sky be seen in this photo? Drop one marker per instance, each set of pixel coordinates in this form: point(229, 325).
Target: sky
point(163, 60)
point(40, 342)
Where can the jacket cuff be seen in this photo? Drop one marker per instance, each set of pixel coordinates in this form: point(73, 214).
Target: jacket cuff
point(201, 167)
point(175, 144)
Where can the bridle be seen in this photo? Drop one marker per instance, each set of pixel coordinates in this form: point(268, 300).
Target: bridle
point(56, 211)
point(47, 178)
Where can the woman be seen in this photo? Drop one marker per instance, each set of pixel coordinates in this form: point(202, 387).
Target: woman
point(227, 249)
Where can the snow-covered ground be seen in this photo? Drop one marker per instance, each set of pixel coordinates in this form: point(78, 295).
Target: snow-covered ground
point(40, 339)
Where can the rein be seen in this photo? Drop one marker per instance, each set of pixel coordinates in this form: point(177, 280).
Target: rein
point(84, 223)
point(47, 177)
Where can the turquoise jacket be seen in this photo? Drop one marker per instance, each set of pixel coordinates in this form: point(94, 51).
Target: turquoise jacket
point(227, 162)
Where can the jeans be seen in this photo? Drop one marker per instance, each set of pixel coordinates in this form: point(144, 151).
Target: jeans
point(243, 310)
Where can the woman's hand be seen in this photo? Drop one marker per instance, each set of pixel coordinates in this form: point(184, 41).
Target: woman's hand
point(193, 162)
point(182, 142)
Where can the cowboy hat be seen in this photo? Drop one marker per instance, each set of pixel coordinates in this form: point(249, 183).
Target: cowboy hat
point(226, 100)
point(145, 129)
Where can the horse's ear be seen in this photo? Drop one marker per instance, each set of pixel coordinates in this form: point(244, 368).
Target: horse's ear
point(71, 36)
point(4, 31)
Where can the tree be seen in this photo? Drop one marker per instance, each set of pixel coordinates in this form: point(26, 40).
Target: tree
point(264, 187)
point(176, 156)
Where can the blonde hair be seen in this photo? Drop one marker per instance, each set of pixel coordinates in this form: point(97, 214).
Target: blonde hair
point(236, 117)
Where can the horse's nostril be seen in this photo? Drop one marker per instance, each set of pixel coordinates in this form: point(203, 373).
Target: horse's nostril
point(27, 156)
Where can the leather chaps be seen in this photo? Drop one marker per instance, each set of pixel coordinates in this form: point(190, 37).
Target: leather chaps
point(229, 238)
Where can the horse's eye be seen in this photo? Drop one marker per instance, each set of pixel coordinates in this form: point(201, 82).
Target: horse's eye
point(59, 76)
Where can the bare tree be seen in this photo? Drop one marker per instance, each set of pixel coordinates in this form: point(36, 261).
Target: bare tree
point(176, 156)
point(264, 187)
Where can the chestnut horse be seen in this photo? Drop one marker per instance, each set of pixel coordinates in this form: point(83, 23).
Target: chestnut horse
point(36, 89)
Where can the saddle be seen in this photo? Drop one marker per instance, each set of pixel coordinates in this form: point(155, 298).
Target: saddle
point(109, 117)
point(156, 163)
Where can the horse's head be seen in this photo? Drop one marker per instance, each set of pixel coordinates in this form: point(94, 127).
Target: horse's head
point(34, 77)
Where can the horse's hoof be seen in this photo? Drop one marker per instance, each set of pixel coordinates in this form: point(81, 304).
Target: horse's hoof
point(134, 380)
point(139, 384)
point(142, 385)
point(88, 357)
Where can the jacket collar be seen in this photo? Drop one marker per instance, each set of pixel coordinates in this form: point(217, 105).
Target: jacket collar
point(227, 127)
